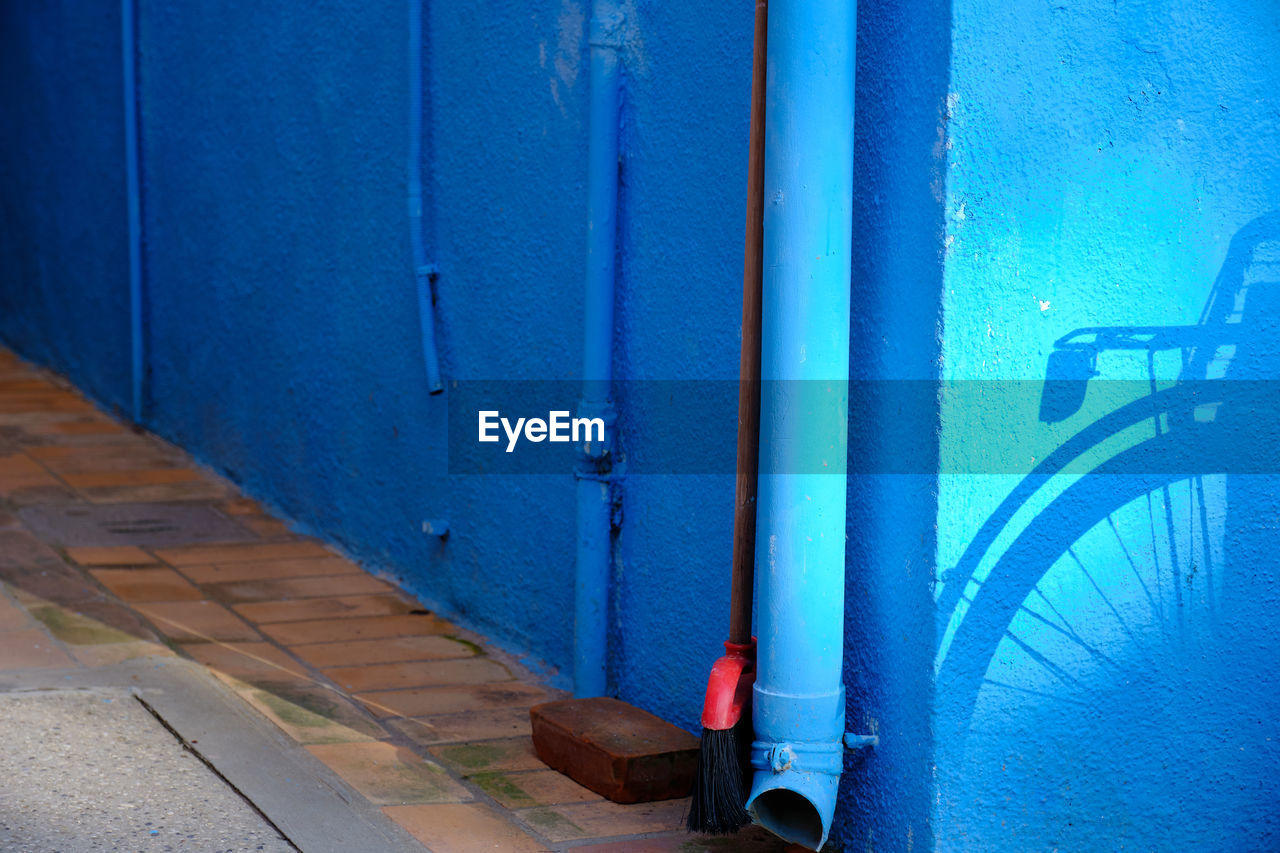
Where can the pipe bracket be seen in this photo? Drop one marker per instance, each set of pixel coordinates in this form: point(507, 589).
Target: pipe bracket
point(854, 742)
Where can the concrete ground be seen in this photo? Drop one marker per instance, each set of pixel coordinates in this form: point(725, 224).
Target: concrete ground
point(180, 671)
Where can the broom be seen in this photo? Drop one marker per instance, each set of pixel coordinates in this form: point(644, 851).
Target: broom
point(719, 789)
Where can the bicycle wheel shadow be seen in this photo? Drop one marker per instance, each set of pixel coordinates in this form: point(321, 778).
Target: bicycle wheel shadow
point(1106, 640)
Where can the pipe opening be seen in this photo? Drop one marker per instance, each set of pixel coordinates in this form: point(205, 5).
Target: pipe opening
point(789, 816)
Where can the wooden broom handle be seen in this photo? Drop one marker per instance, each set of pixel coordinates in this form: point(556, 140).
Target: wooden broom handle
point(744, 515)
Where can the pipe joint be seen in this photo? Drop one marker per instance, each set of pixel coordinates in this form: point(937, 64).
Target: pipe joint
point(597, 449)
point(798, 758)
point(606, 27)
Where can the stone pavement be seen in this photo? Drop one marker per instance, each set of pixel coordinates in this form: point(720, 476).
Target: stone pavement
point(422, 718)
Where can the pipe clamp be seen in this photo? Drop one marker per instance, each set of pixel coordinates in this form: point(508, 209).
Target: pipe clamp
point(824, 757)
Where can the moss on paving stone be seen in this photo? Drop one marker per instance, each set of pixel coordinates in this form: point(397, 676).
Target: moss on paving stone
point(503, 789)
point(553, 823)
point(76, 629)
point(473, 756)
point(475, 649)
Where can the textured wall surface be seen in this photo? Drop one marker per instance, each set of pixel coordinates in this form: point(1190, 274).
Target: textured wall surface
point(64, 256)
point(1104, 654)
point(1021, 171)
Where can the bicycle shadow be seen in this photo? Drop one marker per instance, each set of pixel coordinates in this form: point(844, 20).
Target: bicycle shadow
point(1106, 638)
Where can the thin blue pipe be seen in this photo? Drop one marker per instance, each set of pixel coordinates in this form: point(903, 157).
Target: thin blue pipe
point(133, 193)
point(595, 475)
point(422, 270)
point(798, 707)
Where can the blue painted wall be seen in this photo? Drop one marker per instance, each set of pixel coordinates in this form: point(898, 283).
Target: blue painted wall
point(1104, 664)
point(1022, 170)
point(64, 256)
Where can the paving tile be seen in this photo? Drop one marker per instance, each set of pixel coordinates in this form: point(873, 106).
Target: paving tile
point(51, 580)
point(390, 775)
point(19, 465)
point(533, 788)
point(242, 506)
point(44, 403)
point(196, 555)
point(488, 756)
point(80, 426)
point(19, 471)
point(603, 819)
point(141, 477)
point(266, 527)
point(115, 615)
point(21, 551)
point(135, 457)
point(31, 648)
point(147, 584)
point(308, 714)
point(427, 701)
point(40, 416)
point(463, 828)
point(293, 588)
point(202, 489)
point(340, 607)
point(77, 630)
point(114, 653)
point(120, 555)
point(394, 676)
point(391, 650)
point(54, 493)
point(474, 725)
point(357, 628)
point(210, 573)
point(254, 663)
point(750, 839)
point(197, 620)
point(13, 616)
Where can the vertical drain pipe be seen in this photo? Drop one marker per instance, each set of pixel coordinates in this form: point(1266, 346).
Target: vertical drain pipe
point(799, 698)
point(133, 192)
point(423, 272)
point(594, 472)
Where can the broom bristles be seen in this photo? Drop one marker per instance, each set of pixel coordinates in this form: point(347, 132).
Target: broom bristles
point(719, 792)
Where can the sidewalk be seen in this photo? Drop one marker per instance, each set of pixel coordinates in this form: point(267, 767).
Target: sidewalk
point(115, 549)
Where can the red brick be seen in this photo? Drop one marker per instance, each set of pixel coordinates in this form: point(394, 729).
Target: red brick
point(615, 749)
